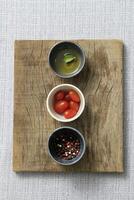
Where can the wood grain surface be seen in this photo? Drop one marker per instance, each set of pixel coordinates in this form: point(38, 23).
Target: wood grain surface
point(102, 120)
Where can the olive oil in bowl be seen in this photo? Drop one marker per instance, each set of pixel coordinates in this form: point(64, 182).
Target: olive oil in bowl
point(66, 59)
point(65, 67)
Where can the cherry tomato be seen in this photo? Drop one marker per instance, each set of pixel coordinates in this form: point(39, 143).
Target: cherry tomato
point(61, 106)
point(69, 113)
point(74, 105)
point(67, 97)
point(74, 96)
point(59, 95)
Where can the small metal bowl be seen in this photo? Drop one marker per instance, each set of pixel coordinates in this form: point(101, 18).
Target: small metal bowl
point(66, 45)
point(52, 142)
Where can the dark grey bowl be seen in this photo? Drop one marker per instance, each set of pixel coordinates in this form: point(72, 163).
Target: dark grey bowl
point(71, 132)
point(66, 45)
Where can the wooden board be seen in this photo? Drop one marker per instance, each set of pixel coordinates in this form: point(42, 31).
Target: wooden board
point(101, 123)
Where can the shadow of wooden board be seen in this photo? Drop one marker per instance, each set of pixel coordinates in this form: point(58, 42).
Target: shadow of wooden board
point(101, 123)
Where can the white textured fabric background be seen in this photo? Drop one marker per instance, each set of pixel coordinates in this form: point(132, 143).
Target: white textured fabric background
point(64, 19)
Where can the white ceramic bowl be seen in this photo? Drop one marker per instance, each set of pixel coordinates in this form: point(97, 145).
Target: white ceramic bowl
point(50, 100)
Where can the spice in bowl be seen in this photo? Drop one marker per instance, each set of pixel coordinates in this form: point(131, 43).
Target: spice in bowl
point(67, 146)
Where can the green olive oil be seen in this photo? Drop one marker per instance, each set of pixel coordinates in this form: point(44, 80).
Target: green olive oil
point(65, 66)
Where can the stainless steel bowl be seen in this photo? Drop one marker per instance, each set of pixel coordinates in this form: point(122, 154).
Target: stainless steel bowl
point(52, 143)
point(64, 45)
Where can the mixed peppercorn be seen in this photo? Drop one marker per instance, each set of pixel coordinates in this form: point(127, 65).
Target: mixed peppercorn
point(67, 146)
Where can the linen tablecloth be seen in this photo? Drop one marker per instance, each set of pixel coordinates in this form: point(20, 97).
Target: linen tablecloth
point(64, 19)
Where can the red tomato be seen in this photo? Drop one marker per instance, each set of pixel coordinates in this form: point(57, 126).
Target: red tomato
point(67, 97)
point(61, 106)
point(74, 105)
point(59, 95)
point(69, 113)
point(74, 96)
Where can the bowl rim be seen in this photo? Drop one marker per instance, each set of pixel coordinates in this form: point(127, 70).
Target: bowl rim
point(82, 137)
point(77, 115)
point(81, 67)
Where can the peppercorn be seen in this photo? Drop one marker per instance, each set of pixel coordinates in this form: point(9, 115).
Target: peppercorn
point(67, 147)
